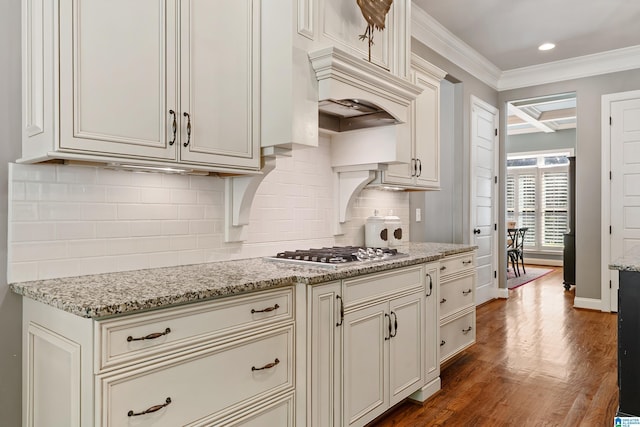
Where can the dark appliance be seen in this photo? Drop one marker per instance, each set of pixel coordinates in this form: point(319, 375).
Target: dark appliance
point(569, 253)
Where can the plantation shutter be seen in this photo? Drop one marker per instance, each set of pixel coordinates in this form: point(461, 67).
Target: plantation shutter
point(527, 206)
point(554, 208)
point(511, 198)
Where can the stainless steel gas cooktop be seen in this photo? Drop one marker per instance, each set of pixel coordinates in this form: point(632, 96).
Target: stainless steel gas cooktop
point(337, 256)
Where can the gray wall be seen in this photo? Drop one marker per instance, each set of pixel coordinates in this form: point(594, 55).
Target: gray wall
point(541, 141)
point(589, 93)
point(451, 210)
point(10, 117)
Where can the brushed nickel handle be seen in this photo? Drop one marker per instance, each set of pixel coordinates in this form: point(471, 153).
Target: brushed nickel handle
point(174, 127)
point(267, 366)
point(442, 342)
point(188, 129)
point(443, 300)
point(467, 292)
point(466, 331)
point(341, 311)
point(152, 336)
point(154, 408)
point(266, 310)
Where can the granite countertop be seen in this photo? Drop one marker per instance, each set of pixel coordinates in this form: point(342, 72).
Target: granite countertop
point(111, 294)
point(630, 261)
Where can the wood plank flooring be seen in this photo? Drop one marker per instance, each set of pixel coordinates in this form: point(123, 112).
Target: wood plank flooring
point(537, 362)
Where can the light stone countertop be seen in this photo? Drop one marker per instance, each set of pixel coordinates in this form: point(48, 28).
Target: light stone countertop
point(111, 294)
point(630, 261)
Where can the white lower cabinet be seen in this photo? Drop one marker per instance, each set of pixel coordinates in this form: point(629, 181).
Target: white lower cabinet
point(224, 362)
point(367, 346)
point(457, 304)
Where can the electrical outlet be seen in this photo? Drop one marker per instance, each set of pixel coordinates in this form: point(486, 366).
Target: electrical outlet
point(418, 214)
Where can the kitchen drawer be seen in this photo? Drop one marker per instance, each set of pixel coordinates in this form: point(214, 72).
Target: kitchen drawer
point(380, 285)
point(456, 295)
point(194, 387)
point(278, 412)
point(136, 338)
point(455, 263)
point(456, 335)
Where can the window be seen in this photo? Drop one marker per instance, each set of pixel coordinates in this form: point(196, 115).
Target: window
point(537, 198)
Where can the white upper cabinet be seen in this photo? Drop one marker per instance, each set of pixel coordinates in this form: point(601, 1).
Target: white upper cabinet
point(420, 152)
point(173, 82)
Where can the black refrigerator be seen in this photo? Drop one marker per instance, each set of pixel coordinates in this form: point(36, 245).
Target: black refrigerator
point(569, 253)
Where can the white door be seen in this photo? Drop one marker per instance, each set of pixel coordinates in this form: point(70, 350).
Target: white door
point(624, 203)
point(220, 82)
point(484, 150)
point(117, 84)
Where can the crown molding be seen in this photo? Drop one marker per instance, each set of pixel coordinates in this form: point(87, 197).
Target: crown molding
point(431, 33)
point(574, 68)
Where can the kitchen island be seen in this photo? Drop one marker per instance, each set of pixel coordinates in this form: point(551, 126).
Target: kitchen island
point(628, 332)
point(234, 340)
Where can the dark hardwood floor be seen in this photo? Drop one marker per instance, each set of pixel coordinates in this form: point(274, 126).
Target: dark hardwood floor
point(537, 362)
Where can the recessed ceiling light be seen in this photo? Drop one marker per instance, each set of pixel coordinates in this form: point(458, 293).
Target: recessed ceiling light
point(546, 46)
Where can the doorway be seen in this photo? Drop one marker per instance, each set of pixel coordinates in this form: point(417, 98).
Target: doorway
point(540, 146)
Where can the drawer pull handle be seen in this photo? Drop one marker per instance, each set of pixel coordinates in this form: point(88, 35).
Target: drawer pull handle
point(267, 366)
point(266, 310)
point(466, 331)
point(443, 300)
point(443, 268)
point(152, 336)
point(390, 336)
point(442, 342)
point(467, 292)
point(174, 127)
point(186, 144)
point(395, 324)
point(150, 410)
point(430, 284)
point(466, 262)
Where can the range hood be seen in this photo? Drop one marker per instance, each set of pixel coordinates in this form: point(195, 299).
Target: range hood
point(355, 94)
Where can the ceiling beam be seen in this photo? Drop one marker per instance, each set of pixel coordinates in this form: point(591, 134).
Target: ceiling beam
point(533, 121)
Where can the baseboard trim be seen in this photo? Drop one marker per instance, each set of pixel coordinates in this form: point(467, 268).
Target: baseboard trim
point(542, 261)
point(587, 303)
point(503, 293)
point(427, 391)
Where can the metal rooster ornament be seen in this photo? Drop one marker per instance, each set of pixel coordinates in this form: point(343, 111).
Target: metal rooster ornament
point(375, 13)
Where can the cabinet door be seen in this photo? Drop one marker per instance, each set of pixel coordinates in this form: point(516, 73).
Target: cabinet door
point(406, 363)
point(432, 323)
point(220, 82)
point(117, 84)
point(324, 346)
point(365, 359)
point(426, 132)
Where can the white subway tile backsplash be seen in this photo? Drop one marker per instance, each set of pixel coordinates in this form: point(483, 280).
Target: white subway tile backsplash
point(147, 212)
point(67, 220)
point(75, 230)
point(32, 231)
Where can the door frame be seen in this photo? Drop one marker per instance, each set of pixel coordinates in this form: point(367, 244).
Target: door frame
point(494, 291)
point(605, 194)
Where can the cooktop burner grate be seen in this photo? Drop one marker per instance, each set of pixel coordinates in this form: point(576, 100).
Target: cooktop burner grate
point(337, 255)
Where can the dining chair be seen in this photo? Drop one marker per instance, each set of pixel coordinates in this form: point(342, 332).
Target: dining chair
point(519, 247)
point(512, 250)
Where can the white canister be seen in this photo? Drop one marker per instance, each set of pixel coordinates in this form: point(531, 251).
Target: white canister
point(375, 231)
point(394, 227)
